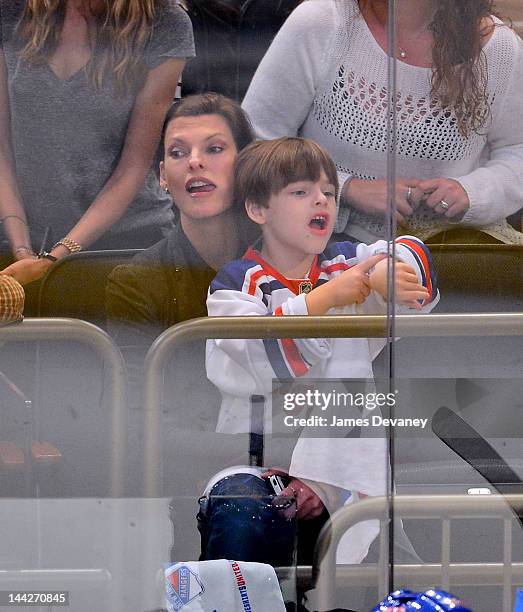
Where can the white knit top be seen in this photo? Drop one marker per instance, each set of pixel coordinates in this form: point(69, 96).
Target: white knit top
point(325, 77)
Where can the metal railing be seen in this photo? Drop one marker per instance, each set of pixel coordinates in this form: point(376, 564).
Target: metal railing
point(56, 329)
point(497, 324)
point(444, 507)
point(368, 326)
point(50, 329)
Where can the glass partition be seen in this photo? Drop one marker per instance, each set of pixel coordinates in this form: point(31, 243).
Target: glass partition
point(390, 423)
point(446, 138)
point(314, 425)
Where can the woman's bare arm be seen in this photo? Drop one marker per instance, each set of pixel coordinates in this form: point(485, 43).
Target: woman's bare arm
point(141, 141)
point(11, 207)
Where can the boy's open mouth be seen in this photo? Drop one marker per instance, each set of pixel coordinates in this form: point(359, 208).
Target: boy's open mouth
point(199, 186)
point(318, 222)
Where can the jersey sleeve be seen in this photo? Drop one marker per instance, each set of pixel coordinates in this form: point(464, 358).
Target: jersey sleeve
point(410, 250)
point(245, 367)
point(413, 251)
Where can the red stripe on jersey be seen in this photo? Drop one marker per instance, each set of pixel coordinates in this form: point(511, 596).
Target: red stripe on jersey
point(292, 284)
point(253, 282)
point(335, 267)
point(291, 352)
point(423, 258)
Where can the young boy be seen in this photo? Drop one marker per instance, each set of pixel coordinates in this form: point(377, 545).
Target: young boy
point(289, 188)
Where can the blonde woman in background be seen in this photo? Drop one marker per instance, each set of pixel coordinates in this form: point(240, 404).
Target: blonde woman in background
point(84, 89)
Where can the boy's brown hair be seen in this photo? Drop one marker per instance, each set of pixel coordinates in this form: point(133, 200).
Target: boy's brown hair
point(266, 167)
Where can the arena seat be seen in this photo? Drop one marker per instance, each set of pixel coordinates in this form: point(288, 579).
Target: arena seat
point(479, 277)
point(75, 286)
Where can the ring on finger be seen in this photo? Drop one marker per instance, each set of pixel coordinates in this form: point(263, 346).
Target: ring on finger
point(408, 197)
point(444, 205)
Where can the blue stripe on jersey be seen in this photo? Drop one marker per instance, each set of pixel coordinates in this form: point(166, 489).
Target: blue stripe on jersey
point(267, 288)
point(433, 280)
point(232, 275)
point(347, 249)
point(266, 292)
point(421, 267)
point(428, 254)
point(433, 273)
point(272, 348)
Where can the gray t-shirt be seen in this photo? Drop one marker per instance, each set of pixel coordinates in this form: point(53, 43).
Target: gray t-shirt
point(68, 136)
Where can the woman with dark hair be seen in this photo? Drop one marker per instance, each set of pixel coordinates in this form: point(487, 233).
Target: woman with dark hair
point(459, 149)
point(84, 89)
point(168, 283)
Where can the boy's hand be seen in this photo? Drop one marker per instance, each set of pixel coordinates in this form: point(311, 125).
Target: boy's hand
point(408, 289)
point(308, 503)
point(350, 287)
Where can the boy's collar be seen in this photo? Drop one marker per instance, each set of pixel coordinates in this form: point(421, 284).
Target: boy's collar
point(297, 286)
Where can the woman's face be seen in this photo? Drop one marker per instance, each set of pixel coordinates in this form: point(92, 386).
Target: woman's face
point(198, 165)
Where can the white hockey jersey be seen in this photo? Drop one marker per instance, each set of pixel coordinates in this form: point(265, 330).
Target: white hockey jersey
point(242, 368)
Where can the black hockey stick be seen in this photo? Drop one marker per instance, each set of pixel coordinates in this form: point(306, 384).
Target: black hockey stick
point(256, 443)
point(466, 442)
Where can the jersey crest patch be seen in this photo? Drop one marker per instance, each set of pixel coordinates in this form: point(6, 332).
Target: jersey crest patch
point(182, 586)
point(305, 286)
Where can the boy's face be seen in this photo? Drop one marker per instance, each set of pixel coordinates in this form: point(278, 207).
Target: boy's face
point(299, 219)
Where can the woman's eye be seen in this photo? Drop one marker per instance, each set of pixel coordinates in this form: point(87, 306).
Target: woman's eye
point(329, 194)
point(299, 192)
point(216, 149)
point(176, 153)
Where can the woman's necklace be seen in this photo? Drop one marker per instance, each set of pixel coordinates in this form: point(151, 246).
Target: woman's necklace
point(401, 50)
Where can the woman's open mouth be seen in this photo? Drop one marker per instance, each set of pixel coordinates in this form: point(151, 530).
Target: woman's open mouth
point(196, 186)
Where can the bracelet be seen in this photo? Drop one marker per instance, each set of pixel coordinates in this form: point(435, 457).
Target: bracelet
point(71, 245)
point(24, 248)
point(48, 256)
point(13, 217)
